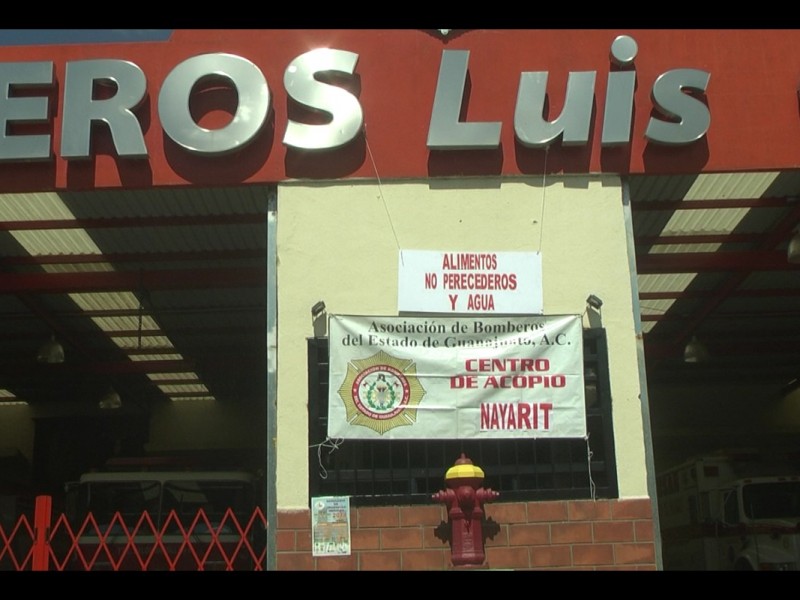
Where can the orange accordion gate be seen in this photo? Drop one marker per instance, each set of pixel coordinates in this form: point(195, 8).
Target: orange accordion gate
point(49, 542)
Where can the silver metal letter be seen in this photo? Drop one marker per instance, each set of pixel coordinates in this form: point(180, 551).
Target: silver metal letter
point(575, 118)
point(620, 87)
point(81, 108)
point(446, 132)
point(301, 84)
point(690, 116)
point(619, 108)
point(251, 113)
point(26, 110)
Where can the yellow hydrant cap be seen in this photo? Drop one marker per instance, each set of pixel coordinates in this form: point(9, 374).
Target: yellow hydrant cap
point(464, 468)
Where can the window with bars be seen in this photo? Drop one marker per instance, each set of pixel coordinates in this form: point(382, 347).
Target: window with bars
point(375, 472)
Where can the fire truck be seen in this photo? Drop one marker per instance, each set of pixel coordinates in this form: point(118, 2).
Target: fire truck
point(730, 511)
point(159, 520)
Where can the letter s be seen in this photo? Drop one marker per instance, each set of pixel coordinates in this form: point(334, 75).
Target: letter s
point(692, 115)
point(301, 85)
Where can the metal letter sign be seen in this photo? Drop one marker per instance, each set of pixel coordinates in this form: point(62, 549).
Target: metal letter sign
point(456, 378)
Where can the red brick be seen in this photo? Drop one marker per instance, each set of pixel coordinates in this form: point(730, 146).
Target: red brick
point(571, 533)
point(303, 540)
point(294, 519)
point(422, 515)
point(401, 538)
point(337, 563)
point(613, 531)
point(589, 510)
point(491, 527)
point(295, 561)
point(551, 556)
point(425, 560)
point(379, 561)
point(507, 513)
point(508, 558)
point(430, 539)
point(378, 516)
point(592, 554)
point(639, 508)
point(500, 538)
point(365, 539)
point(547, 511)
point(528, 535)
point(284, 541)
point(628, 554)
point(643, 531)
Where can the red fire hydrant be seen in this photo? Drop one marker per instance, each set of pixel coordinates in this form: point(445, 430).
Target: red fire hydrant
point(465, 498)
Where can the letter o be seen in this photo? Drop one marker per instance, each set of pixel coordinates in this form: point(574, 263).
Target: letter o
point(251, 112)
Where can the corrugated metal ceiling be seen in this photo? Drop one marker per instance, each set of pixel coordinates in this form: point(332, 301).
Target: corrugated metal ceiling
point(711, 255)
point(161, 293)
point(158, 295)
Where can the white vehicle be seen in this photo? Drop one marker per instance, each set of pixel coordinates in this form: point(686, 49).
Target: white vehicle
point(730, 511)
point(129, 519)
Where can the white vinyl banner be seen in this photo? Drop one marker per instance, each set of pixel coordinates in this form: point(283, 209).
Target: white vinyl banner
point(456, 378)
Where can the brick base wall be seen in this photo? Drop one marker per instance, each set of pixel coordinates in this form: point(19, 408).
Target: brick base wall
point(573, 534)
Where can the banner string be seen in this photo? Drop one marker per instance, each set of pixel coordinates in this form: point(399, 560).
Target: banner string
point(331, 445)
point(592, 487)
point(380, 191)
point(544, 190)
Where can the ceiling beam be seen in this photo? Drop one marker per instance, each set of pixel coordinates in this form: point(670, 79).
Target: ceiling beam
point(704, 262)
point(65, 283)
point(760, 293)
point(133, 222)
point(137, 257)
point(716, 203)
point(762, 258)
point(786, 349)
point(697, 238)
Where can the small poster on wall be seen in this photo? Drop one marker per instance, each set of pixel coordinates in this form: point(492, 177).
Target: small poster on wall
point(330, 525)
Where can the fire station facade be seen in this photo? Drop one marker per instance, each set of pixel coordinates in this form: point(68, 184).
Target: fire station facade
point(398, 163)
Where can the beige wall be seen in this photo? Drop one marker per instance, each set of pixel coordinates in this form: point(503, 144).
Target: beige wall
point(339, 243)
point(203, 424)
point(694, 418)
point(16, 430)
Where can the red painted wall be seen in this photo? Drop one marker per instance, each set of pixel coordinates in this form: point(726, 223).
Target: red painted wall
point(752, 96)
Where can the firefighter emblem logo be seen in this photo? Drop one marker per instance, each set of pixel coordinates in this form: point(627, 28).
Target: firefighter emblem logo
point(381, 392)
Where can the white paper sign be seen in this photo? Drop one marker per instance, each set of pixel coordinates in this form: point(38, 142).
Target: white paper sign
point(470, 282)
point(330, 525)
point(456, 378)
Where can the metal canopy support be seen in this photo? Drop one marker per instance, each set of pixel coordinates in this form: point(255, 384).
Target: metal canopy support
point(272, 384)
point(643, 393)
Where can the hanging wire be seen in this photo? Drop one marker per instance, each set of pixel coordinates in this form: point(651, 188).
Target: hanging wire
point(380, 191)
point(544, 188)
point(140, 314)
point(331, 445)
point(139, 332)
point(589, 453)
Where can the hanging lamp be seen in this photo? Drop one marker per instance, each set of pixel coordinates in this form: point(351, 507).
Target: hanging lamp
point(793, 252)
point(695, 351)
point(51, 352)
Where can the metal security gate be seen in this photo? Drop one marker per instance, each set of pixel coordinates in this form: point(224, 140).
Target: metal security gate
point(48, 542)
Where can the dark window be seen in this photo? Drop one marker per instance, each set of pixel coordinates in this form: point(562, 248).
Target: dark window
point(376, 472)
point(731, 508)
